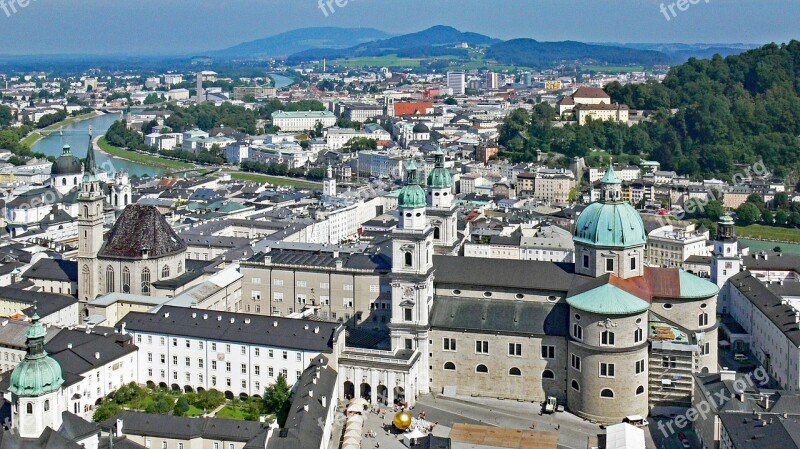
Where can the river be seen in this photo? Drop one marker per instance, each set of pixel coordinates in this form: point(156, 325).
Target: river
point(77, 136)
point(281, 80)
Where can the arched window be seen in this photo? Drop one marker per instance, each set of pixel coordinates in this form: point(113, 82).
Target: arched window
point(639, 390)
point(109, 279)
point(702, 319)
point(514, 372)
point(47, 405)
point(75, 181)
point(607, 338)
point(86, 281)
point(437, 233)
point(146, 282)
point(29, 408)
point(408, 258)
point(575, 386)
point(165, 272)
point(64, 181)
point(126, 280)
point(606, 393)
point(450, 366)
point(85, 211)
point(638, 335)
point(481, 369)
point(548, 374)
point(180, 267)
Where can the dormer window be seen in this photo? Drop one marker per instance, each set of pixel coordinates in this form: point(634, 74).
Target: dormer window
point(609, 265)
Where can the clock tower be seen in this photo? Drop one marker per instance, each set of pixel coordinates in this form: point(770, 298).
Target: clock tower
point(412, 276)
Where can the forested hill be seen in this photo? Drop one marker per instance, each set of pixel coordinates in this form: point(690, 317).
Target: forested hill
point(733, 110)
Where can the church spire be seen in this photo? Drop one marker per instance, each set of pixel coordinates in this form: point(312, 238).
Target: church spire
point(91, 163)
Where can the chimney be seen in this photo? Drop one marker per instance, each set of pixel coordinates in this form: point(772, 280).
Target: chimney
point(194, 314)
point(247, 321)
point(305, 407)
point(97, 355)
point(233, 320)
point(324, 402)
point(726, 374)
point(275, 324)
point(166, 314)
point(4, 322)
point(119, 428)
point(69, 345)
point(316, 329)
point(311, 393)
point(122, 329)
point(205, 316)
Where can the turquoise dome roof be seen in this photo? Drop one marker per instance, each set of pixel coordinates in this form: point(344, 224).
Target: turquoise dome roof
point(412, 195)
point(37, 373)
point(610, 222)
point(608, 300)
point(440, 177)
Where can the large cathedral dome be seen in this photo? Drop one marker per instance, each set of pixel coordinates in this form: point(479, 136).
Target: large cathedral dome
point(610, 222)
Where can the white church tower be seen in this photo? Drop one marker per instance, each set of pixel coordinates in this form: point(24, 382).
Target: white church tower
point(329, 183)
point(412, 277)
point(441, 209)
point(726, 259)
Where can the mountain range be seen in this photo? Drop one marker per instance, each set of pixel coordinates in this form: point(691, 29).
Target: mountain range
point(309, 44)
point(296, 41)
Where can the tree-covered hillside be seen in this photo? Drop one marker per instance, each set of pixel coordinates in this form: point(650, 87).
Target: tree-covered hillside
point(734, 110)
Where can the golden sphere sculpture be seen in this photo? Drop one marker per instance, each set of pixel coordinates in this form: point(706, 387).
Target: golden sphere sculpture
point(402, 420)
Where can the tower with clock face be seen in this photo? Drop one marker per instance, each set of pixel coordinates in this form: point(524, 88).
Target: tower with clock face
point(412, 276)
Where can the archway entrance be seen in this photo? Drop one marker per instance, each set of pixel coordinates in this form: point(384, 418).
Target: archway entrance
point(349, 390)
point(366, 391)
point(383, 395)
point(399, 395)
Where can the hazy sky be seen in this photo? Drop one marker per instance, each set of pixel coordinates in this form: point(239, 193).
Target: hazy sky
point(177, 26)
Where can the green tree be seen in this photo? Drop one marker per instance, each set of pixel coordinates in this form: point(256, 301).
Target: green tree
point(450, 101)
point(209, 399)
point(357, 144)
point(714, 210)
point(161, 405)
point(181, 407)
point(767, 217)
point(5, 115)
point(748, 213)
point(152, 99)
point(105, 410)
point(781, 217)
point(277, 399)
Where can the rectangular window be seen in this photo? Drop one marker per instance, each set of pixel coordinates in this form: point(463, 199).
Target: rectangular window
point(347, 287)
point(228, 349)
point(278, 296)
point(633, 263)
point(301, 283)
point(244, 350)
point(482, 346)
point(374, 288)
point(548, 352)
point(244, 368)
point(449, 344)
point(409, 314)
point(270, 372)
point(200, 363)
point(585, 261)
point(213, 346)
point(577, 332)
point(228, 366)
point(257, 370)
point(174, 359)
point(607, 338)
point(214, 364)
point(639, 367)
point(188, 361)
point(575, 362)
point(255, 295)
point(669, 361)
point(409, 343)
point(256, 280)
point(609, 264)
point(257, 351)
point(299, 357)
point(149, 356)
point(285, 355)
point(323, 285)
point(638, 335)
point(278, 282)
point(515, 349)
point(606, 370)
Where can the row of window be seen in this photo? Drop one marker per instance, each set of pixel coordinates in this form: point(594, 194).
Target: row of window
point(514, 371)
point(610, 263)
point(605, 369)
point(482, 347)
point(607, 338)
point(126, 278)
point(147, 444)
point(228, 383)
point(374, 288)
point(605, 392)
point(201, 345)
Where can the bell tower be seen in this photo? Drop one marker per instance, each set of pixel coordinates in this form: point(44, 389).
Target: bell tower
point(90, 229)
point(412, 277)
point(441, 210)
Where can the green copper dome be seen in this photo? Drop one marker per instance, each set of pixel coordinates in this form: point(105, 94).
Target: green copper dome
point(610, 222)
point(608, 300)
point(37, 373)
point(440, 177)
point(412, 195)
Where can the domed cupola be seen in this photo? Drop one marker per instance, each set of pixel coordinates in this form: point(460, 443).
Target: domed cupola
point(609, 234)
point(37, 374)
point(440, 177)
point(421, 128)
point(66, 164)
point(412, 201)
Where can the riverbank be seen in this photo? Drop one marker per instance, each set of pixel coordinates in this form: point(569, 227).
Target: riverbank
point(771, 233)
point(274, 180)
point(101, 144)
point(35, 136)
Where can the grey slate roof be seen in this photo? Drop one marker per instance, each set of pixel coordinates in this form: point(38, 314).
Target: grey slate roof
point(302, 428)
point(512, 317)
point(747, 432)
point(88, 351)
point(184, 428)
point(261, 330)
point(325, 259)
point(138, 228)
point(524, 274)
point(53, 270)
point(48, 303)
point(74, 427)
point(768, 303)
